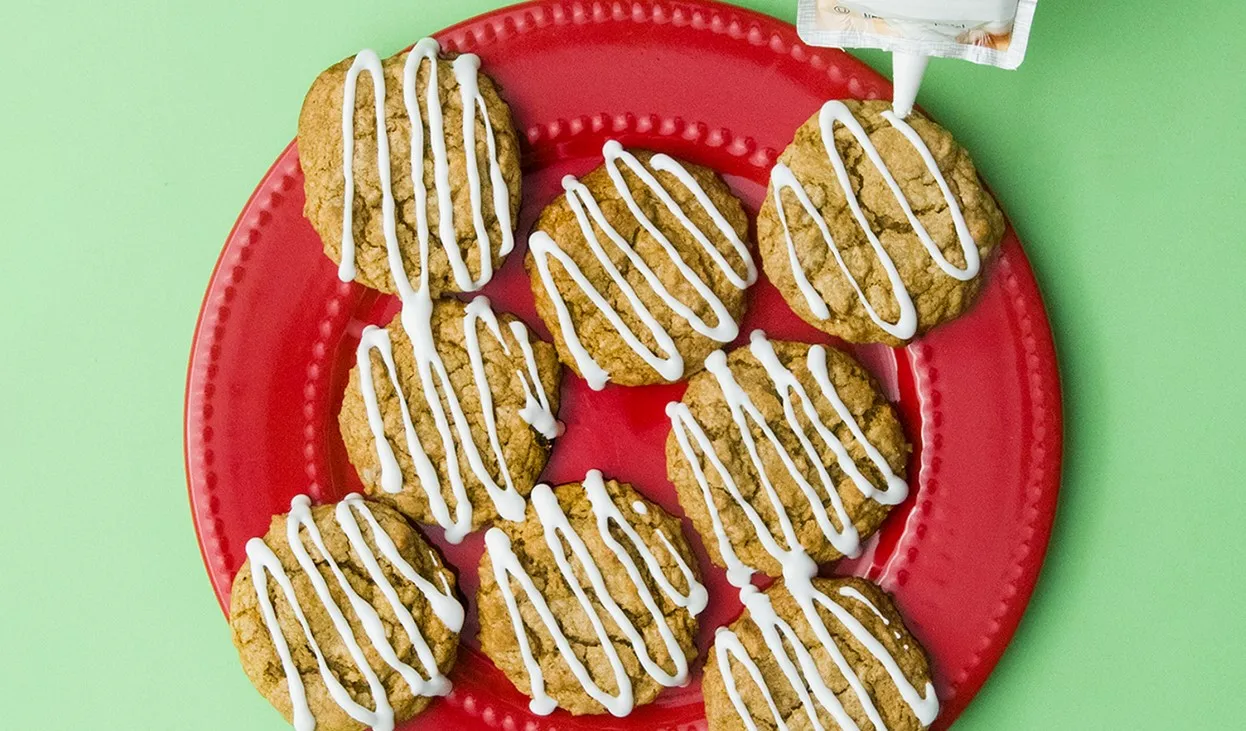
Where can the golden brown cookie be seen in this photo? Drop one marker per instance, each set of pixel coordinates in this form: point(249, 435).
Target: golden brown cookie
point(355, 565)
point(482, 211)
point(819, 464)
point(928, 283)
point(494, 381)
point(639, 270)
point(868, 666)
point(622, 555)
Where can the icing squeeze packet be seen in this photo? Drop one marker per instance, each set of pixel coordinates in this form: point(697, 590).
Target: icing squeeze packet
point(991, 32)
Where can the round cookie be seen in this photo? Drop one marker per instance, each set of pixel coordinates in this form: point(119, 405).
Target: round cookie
point(639, 270)
point(460, 239)
point(510, 442)
point(834, 476)
point(357, 565)
point(928, 283)
point(628, 559)
point(869, 667)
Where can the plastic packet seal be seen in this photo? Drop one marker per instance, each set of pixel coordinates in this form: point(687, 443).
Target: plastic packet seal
point(990, 32)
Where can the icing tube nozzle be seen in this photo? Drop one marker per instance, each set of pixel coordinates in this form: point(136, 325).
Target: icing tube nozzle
point(907, 69)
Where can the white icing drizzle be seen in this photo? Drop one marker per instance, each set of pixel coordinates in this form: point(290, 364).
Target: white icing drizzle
point(802, 672)
point(782, 178)
point(465, 74)
point(454, 430)
point(264, 563)
point(666, 361)
point(852, 593)
point(559, 534)
point(417, 304)
point(695, 443)
point(536, 411)
point(794, 659)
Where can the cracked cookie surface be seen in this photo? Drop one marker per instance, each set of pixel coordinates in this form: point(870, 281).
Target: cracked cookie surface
point(709, 407)
point(888, 629)
point(937, 296)
point(320, 156)
point(598, 335)
point(528, 543)
point(259, 656)
point(524, 449)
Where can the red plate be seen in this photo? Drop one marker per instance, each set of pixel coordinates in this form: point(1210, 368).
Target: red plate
point(725, 88)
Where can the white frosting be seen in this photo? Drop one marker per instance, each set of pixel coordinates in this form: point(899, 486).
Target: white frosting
point(465, 74)
point(536, 411)
point(782, 178)
point(559, 534)
point(852, 593)
point(666, 360)
point(801, 670)
point(454, 430)
point(264, 563)
point(796, 662)
point(695, 443)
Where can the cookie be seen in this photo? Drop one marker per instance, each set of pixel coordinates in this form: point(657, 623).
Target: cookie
point(496, 396)
point(640, 268)
point(590, 604)
point(452, 223)
point(856, 665)
point(781, 449)
point(885, 235)
point(344, 618)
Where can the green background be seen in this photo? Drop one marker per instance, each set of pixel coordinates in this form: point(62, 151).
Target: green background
point(131, 133)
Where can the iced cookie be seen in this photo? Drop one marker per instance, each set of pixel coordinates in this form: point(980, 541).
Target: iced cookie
point(782, 449)
point(344, 618)
point(445, 379)
point(876, 228)
point(429, 171)
point(590, 604)
point(826, 653)
point(639, 270)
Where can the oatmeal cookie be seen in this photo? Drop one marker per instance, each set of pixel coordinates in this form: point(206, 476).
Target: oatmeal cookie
point(870, 668)
point(459, 346)
point(639, 270)
point(357, 565)
point(604, 544)
point(475, 245)
point(817, 468)
point(921, 290)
